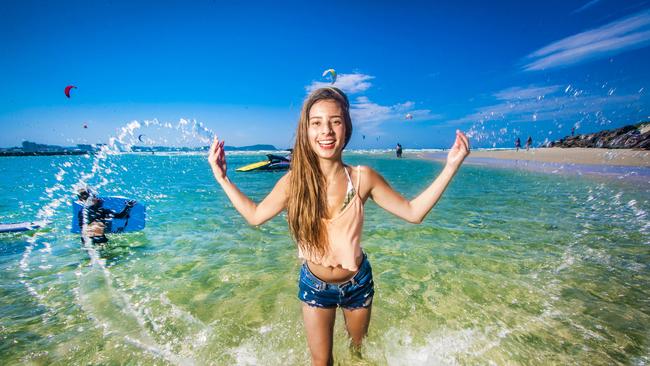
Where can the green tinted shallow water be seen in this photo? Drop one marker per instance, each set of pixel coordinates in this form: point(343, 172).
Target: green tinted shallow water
point(511, 267)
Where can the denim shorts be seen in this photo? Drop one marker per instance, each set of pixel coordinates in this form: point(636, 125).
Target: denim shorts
point(353, 294)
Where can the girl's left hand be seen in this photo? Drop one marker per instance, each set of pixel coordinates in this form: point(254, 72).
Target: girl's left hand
point(217, 160)
point(458, 151)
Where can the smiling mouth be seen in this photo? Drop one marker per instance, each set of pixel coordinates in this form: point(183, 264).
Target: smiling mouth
point(326, 144)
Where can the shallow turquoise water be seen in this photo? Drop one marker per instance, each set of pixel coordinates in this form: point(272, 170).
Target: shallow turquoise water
point(511, 267)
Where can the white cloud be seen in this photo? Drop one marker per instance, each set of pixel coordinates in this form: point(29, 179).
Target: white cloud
point(621, 35)
point(586, 6)
point(546, 104)
point(349, 83)
point(529, 92)
point(367, 116)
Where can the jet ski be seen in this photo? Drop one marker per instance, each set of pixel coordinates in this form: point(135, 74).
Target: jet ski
point(273, 162)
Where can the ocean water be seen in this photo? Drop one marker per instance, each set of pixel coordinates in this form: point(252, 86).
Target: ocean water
point(511, 267)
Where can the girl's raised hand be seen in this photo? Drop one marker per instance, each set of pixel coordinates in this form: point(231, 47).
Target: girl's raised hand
point(217, 160)
point(458, 151)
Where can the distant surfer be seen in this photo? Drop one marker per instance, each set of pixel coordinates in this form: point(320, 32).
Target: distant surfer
point(529, 143)
point(398, 150)
point(95, 219)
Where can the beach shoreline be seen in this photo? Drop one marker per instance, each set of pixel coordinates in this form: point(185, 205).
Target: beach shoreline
point(589, 161)
point(582, 156)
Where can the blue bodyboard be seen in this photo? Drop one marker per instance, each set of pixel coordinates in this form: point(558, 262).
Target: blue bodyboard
point(134, 221)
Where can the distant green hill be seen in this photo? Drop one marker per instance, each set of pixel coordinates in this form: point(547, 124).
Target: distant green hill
point(201, 148)
point(33, 148)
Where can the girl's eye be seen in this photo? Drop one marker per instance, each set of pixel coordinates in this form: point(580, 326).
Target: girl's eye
point(336, 122)
point(315, 123)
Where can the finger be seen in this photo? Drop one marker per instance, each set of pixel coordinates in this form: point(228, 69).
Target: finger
point(456, 142)
point(217, 154)
point(222, 153)
point(464, 146)
point(462, 141)
point(214, 152)
point(465, 139)
point(457, 139)
point(215, 144)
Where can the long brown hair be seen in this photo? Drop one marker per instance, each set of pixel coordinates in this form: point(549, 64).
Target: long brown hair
point(307, 203)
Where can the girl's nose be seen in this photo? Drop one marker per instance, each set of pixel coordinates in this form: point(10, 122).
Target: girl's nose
point(327, 128)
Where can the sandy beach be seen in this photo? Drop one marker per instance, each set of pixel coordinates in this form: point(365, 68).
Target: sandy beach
point(582, 156)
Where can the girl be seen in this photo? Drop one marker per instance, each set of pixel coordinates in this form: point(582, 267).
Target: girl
point(324, 199)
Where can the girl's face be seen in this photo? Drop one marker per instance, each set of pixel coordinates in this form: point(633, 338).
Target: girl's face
point(326, 131)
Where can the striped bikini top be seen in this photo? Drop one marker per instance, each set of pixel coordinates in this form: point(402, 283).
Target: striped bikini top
point(344, 232)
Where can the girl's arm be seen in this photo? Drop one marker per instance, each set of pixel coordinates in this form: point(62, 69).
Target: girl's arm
point(415, 210)
point(255, 214)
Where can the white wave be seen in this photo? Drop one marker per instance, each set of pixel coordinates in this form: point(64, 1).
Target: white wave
point(443, 347)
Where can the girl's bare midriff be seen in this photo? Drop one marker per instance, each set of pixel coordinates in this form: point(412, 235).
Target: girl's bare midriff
point(333, 274)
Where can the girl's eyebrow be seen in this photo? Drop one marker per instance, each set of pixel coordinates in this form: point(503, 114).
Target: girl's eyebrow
point(319, 117)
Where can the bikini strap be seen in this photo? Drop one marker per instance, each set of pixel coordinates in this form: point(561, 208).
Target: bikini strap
point(358, 177)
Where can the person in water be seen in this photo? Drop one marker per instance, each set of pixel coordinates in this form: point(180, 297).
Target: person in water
point(517, 144)
point(95, 219)
point(398, 150)
point(529, 143)
point(324, 199)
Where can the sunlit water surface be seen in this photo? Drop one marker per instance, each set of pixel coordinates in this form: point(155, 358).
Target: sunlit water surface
point(511, 267)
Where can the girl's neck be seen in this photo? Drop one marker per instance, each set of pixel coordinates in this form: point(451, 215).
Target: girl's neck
point(331, 168)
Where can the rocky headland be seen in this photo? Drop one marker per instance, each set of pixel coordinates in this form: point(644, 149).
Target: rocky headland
point(628, 137)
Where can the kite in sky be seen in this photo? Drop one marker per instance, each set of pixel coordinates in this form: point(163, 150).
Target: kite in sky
point(67, 90)
point(330, 74)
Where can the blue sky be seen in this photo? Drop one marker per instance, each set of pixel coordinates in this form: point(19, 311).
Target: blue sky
point(242, 69)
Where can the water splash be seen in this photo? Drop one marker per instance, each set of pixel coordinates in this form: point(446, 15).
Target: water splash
point(102, 168)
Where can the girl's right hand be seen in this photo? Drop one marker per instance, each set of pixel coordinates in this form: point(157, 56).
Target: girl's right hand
point(217, 160)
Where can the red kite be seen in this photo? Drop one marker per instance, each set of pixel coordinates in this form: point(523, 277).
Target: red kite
point(67, 90)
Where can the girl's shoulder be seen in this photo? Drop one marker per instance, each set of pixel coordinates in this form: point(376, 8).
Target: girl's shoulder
point(363, 170)
point(365, 177)
point(284, 181)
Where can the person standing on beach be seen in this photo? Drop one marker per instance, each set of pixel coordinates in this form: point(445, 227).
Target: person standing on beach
point(325, 200)
point(517, 144)
point(398, 150)
point(529, 143)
